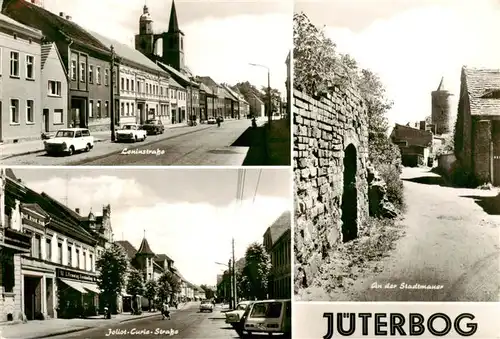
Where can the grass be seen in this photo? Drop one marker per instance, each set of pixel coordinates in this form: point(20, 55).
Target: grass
point(350, 261)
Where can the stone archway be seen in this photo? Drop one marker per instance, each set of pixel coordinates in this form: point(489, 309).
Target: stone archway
point(350, 196)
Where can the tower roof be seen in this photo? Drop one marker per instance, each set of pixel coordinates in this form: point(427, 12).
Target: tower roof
point(441, 86)
point(144, 248)
point(173, 25)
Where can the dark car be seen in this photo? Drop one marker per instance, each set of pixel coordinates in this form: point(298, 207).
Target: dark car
point(153, 126)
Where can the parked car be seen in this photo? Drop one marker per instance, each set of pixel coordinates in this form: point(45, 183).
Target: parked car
point(69, 141)
point(234, 317)
point(206, 305)
point(131, 132)
point(153, 126)
point(267, 316)
point(211, 121)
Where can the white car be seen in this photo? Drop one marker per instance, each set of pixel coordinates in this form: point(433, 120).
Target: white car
point(206, 305)
point(69, 141)
point(235, 316)
point(211, 121)
point(131, 132)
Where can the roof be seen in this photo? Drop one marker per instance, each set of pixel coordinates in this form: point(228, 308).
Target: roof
point(9, 173)
point(128, 53)
point(173, 24)
point(162, 257)
point(207, 81)
point(255, 96)
point(205, 88)
point(441, 86)
point(173, 71)
point(233, 95)
point(412, 136)
point(19, 25)
point(144, 248)
point(483, 89)
point(225, 93)
point(174, 83)
point(280, 226)
point(128, 247)
point(53, 26)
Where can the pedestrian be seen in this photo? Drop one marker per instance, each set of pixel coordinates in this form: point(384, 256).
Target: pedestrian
point(166, 311)
point(218, 121)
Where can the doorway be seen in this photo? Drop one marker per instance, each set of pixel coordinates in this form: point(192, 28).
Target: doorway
point(46, 124)
point(350, 196)
point(32, 297)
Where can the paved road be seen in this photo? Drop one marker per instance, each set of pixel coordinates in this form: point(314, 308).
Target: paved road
point(450, 241)
point(199, 145)
point(189, 323)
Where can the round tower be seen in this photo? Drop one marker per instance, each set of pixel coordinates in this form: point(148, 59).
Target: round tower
point(441, 107)
point(145, 22)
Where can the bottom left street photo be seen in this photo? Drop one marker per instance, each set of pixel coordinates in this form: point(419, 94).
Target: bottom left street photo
point(187, 253)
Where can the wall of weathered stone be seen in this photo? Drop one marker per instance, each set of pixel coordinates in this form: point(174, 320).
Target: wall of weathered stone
point(322, 131)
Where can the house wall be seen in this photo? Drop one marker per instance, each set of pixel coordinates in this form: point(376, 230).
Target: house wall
point(53, 70)
point(481, 152)
point(281, 268)
point(323, 129)
point(20, 88)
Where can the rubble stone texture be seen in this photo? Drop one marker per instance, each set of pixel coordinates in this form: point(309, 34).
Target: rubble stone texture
point(323, 129)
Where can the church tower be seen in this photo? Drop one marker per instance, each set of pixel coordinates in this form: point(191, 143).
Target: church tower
point(145, 258)
point(441, 105)
point(173, 42)
point(145, 40)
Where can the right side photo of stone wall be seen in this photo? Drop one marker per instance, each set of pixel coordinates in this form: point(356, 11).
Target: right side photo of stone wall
point(396, 152)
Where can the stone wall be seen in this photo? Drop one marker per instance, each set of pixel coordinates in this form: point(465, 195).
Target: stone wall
point(322, 131)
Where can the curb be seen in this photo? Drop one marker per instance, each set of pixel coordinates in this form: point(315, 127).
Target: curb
point(134, 319)
point(37, 151)
point(83, 162)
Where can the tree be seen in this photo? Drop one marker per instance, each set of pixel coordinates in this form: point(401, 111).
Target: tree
point(151, 290)
point(112, 268)
point(254, 278)
point(275, 98)
point(209, 293)
point(135, 287)
point(170, 284)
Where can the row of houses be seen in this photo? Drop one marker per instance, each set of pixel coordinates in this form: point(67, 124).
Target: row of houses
point(54, 74)
point(49, 253)
point(277, 242)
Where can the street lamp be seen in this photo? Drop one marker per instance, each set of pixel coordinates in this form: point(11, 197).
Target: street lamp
point(269, 118)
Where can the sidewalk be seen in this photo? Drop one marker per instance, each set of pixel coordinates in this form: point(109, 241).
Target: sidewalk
point(36, 146)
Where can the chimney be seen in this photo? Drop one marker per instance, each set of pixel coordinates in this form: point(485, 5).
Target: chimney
point(68, 17)
point(61, 14)
point(77, 210)
point(422, 125)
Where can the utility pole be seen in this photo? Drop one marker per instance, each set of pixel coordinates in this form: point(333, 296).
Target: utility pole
point(269, 117)
point(230, 284)
point(112, 94)
point(234, 281)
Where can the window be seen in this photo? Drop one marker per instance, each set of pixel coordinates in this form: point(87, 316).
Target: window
point(122, 84)
point(54, 88)
point(70, 257)
point(91, 108)
point(98, 75)
point(122, 109)
point(128, 109)
point(14, 111)
point(30, 118)
point(99, 108)
point(128, 84)
point(86, 133)
point(77, 254)
point(106, 108)
point(73, 70)
point(132, 85)
point(59, 253)
point(36, 247)
point(82, 71)
point(48, 249)
point(91, 74)
point(30, 67)
point(78, 134)
point(14, 64)
point(91, 262)
point(58, 117)
point(132, 109)
point(106, 77)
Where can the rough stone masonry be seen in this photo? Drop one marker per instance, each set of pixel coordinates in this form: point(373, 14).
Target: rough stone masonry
point(330, 160)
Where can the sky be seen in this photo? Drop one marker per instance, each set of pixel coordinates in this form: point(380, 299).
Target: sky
point(221, 37)
point(189, 214)
point(411, 44)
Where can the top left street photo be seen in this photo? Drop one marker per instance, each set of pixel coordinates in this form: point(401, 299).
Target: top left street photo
point(145, 83)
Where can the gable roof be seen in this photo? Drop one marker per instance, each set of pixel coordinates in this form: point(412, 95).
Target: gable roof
point(280, 226)
point(233, 95)
point(46, 48)
point(207, 81)
point(162, 257)
point(255, 97)
point(174, 83)
point(478, 83)
point(56, 28)
point(205, 88)
point(21, 27)
point(128, 53)
point(128, 247)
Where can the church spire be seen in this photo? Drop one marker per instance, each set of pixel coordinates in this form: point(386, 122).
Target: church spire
point(173, 25)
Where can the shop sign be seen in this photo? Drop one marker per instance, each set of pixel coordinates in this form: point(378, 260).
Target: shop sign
point(61, 273)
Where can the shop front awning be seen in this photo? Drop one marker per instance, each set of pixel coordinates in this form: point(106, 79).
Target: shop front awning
point(91, 287)
point(75, 285)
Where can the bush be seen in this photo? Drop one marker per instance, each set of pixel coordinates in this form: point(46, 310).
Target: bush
point(395, 191)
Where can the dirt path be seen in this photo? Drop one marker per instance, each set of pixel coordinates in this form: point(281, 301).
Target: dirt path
point(450, 241)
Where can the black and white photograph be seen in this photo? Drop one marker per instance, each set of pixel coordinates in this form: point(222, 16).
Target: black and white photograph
point(396, 114)
point(149, 253)
point(145, 82)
